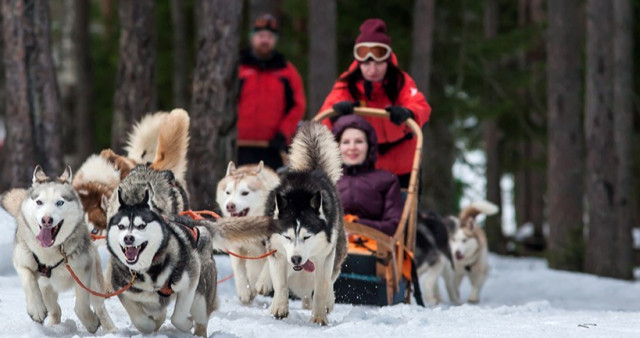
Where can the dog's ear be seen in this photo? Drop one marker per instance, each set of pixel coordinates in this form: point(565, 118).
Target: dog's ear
point(148, 196)
point(104, 201)
point(469, 223)
point(231, 167)
point(259, 168)
point(120, 200)
point(146, 199)
point(316, 201)
point(66, 176)
point(281, 202)
point(39, 176)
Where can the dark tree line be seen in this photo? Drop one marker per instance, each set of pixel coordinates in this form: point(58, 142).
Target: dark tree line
point(503, 76)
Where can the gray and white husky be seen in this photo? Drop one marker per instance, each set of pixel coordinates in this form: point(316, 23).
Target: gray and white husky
point(170, 257)
point(243, 192)
point(51, 225)
point(309, 233)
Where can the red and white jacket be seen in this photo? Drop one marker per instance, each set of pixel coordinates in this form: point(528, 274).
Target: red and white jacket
point(399, 158)
point(270, 99)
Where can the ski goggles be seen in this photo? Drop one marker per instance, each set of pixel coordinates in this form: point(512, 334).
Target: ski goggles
point(374, 50)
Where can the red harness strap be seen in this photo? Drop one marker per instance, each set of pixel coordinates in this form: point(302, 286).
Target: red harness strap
point(166, 290)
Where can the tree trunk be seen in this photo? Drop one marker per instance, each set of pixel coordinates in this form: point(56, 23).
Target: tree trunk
point(84, 88)
point(322, 54)
point(601, 151)
point(530, 177)
point(491, 136)
point(135, 93)
point(213, 109)
point(565, 180)
point(438, 156)
point(62, 13)
point(259, 7)
point(623, 126)
point(179, 36)
point(33, 127)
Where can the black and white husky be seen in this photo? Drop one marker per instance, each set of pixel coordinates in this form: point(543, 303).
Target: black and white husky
point(309, 234)
point(170, 257)
point(51, 225)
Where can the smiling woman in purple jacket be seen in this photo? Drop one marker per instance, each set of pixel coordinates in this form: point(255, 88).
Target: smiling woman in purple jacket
point(371, 195)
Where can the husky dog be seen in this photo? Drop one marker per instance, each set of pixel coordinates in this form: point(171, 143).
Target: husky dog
point(309, 234)
point(243, 192)
point(469, 247)
point(170, 258)
point(168, 195)
point(95, 181)
point(160, 140)
point(433, 257)
point(51, 229)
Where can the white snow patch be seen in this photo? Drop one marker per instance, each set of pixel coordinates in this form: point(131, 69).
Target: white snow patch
point(522, 298)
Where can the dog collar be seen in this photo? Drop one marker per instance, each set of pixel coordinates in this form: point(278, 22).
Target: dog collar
point(45, 270)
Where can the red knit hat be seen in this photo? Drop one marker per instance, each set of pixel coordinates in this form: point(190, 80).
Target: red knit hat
point(374, 30)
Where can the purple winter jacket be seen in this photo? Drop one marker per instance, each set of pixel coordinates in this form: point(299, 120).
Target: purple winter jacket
point(372, 195)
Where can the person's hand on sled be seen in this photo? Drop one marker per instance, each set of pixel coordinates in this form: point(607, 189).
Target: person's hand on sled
point(398, 114)
point(342, 108)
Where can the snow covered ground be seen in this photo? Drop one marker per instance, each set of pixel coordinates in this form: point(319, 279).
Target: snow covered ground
point(522, 298)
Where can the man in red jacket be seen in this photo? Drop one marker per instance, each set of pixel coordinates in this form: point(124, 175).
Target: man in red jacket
point(271, 98)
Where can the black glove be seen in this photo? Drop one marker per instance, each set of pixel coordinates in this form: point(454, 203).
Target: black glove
point(398, 114)
point(342, 108)
point(278, 142)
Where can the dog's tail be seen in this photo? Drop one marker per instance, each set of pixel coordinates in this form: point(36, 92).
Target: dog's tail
point(476, 208)
point(314, 147)
point(97, 169)
point(226, 231)
point(173, 144)
point(12, 200)
point(143, 139)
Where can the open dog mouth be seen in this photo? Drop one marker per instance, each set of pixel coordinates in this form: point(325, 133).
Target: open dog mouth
point(132, 253)
point(459, 256)
point(240, 213)
point(308, 266)
point(47, 235)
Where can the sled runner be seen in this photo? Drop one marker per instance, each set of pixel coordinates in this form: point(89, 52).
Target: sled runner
point(378, 268)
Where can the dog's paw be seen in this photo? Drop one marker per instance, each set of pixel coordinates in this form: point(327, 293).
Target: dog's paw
point(306, 303)
point(321, 320)
point(37, 311)
point(280, 312)
point(246, 296)
point(183, 324)
point(90, 321)
point(474, 300)
point(264, 288)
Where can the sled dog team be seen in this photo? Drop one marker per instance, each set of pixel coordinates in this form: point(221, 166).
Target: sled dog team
point(132, 204)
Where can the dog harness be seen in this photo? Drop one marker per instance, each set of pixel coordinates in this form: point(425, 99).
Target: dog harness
point(45, 270)
point(166, 290)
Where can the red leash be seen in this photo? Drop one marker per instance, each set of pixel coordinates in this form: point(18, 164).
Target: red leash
point(95, 293)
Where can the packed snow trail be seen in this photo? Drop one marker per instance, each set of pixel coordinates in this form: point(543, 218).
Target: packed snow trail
point(522, 298)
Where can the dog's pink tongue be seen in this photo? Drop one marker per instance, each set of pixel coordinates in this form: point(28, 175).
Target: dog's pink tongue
point(308, 266)
point(45, 236)
point(131, 252)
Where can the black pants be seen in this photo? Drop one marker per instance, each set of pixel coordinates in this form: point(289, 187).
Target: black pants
point(253, 155)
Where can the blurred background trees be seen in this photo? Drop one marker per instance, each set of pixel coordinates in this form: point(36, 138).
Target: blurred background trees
point(544, 91)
